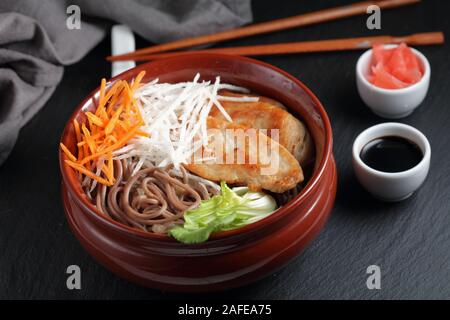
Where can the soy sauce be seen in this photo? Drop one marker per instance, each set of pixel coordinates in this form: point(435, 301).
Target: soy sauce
point(391, 154)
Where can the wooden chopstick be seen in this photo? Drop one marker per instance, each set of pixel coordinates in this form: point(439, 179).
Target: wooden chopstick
point(418, 39)
point(266, 27)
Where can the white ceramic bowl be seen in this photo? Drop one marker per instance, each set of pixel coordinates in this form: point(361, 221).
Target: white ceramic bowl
point(391, 186)
point(391, 103)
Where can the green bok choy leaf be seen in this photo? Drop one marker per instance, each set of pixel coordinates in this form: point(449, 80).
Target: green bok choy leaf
point(232, 209)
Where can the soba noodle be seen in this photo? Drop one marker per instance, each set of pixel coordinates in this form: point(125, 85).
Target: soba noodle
point(153, 199)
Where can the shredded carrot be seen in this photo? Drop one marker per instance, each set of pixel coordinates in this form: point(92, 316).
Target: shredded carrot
point(85, 150)
point(142, 134)
point(87, 137)
point(120, 143)
point(111, 92)
point(110, 126)
point(94, 119)
point(96, 137)
point(88, 173)
point(137, 111)
point(76, 127)
point(116, 120)
point(115, 98)
point(123, 126)
point(102, 113)
point(106, 172)
point(109, 140)
point(101, 99)
point(67, 152)
point(137, 80)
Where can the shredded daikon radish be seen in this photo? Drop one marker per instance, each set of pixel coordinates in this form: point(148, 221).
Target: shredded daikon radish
point(239, 99)
point(175, 117)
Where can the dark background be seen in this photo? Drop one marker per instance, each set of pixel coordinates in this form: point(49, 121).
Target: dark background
point(410, 240)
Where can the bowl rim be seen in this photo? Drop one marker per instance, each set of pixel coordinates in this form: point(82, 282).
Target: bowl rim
point(69, 177)
point(415, 86)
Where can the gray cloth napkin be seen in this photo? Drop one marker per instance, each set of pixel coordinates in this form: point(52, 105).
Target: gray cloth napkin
point(35, 42)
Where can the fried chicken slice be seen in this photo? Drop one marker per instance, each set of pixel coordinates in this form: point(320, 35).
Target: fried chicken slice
point(270, 114)
point(264, 164)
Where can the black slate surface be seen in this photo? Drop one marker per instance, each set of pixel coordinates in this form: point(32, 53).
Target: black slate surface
point(410, 241)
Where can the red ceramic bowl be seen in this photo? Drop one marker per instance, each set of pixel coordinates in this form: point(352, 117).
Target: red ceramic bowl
point(228, 259)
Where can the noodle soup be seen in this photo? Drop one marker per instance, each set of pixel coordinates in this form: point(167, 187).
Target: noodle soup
point(230, 257)
point(134, 156)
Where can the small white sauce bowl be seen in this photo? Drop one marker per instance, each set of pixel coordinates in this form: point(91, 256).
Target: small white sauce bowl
point(391, 186)
point(391, 103)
